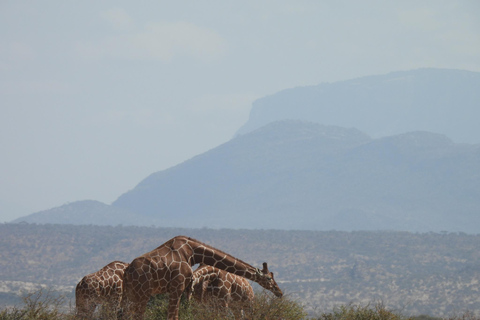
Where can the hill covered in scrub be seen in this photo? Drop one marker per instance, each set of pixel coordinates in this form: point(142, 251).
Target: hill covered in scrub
point(419, 273)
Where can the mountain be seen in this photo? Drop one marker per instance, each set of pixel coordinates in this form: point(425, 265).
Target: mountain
point(396, 171)
point(435, 100)
point(303, 175)
point(84, 212)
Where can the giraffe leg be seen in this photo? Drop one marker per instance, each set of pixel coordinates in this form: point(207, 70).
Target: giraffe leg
point(116, 306)
point(82, 305)
point(139, 310)
point(131, 309)
point(110, 308)
point(81, 311)
point(85, 310)
point(134, 312)
point(173, 305)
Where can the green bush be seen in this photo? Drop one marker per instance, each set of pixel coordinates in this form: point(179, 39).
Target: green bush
point(425, 317)
point(353, 312)
point(157, 308)
point(468, 315)
point(265, 306)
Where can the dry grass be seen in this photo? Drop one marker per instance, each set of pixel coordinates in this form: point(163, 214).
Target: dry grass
point(47, 305)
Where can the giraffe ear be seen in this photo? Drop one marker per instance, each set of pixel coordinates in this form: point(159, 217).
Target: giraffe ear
point(265, 268)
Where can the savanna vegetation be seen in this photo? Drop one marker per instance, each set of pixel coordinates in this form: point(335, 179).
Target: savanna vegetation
point(45, 305)
point(435, 274)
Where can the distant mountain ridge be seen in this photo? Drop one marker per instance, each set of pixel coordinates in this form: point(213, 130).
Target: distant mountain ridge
point(302, 175)
point(84, 212)
point(435, 100)
point(280, 173)
point(297, 175)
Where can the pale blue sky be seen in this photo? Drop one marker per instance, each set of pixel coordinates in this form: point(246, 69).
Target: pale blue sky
point(96, 95)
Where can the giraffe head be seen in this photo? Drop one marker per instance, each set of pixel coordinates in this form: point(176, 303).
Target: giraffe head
point(266, 280)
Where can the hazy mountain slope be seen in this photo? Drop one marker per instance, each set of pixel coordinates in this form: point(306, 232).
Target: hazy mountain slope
point(84, 212)
point(297, 175)
point(435, 100)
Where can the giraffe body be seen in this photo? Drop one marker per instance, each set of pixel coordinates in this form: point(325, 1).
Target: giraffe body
point(225, 286)
point(168, 269)
point(102, 287)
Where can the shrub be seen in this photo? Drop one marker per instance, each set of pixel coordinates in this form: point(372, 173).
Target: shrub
point(265, 306)
point(353, 312)
point(467, 315)
point(40, 305)
point(425, 317)
point(46, 305)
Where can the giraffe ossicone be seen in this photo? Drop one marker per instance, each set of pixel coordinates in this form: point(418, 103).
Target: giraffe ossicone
point(168, 269)
point(103, 287)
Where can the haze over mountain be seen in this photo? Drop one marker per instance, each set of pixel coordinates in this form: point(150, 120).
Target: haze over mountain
point(299, 175)
point(294, 174)
point(436, 100)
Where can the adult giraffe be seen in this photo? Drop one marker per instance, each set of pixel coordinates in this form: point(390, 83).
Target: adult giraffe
point(168, 269)
point(223, 285)
point(102, 287)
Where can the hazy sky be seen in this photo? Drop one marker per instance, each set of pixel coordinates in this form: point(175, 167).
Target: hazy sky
point(97, 95)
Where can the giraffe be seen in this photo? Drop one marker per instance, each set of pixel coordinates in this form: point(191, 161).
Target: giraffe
point(221, 284)
point(102, 287)
point(168, 269)
point(224, 286)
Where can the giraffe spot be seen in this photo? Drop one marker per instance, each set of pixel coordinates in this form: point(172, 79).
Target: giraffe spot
point(221, 265)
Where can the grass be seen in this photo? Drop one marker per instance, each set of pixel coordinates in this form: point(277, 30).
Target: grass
point(354, 312)
point(41, 305)
point(47, 305)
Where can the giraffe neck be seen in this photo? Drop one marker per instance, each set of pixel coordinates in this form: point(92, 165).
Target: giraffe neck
point(207, 273)
point(203, 253)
